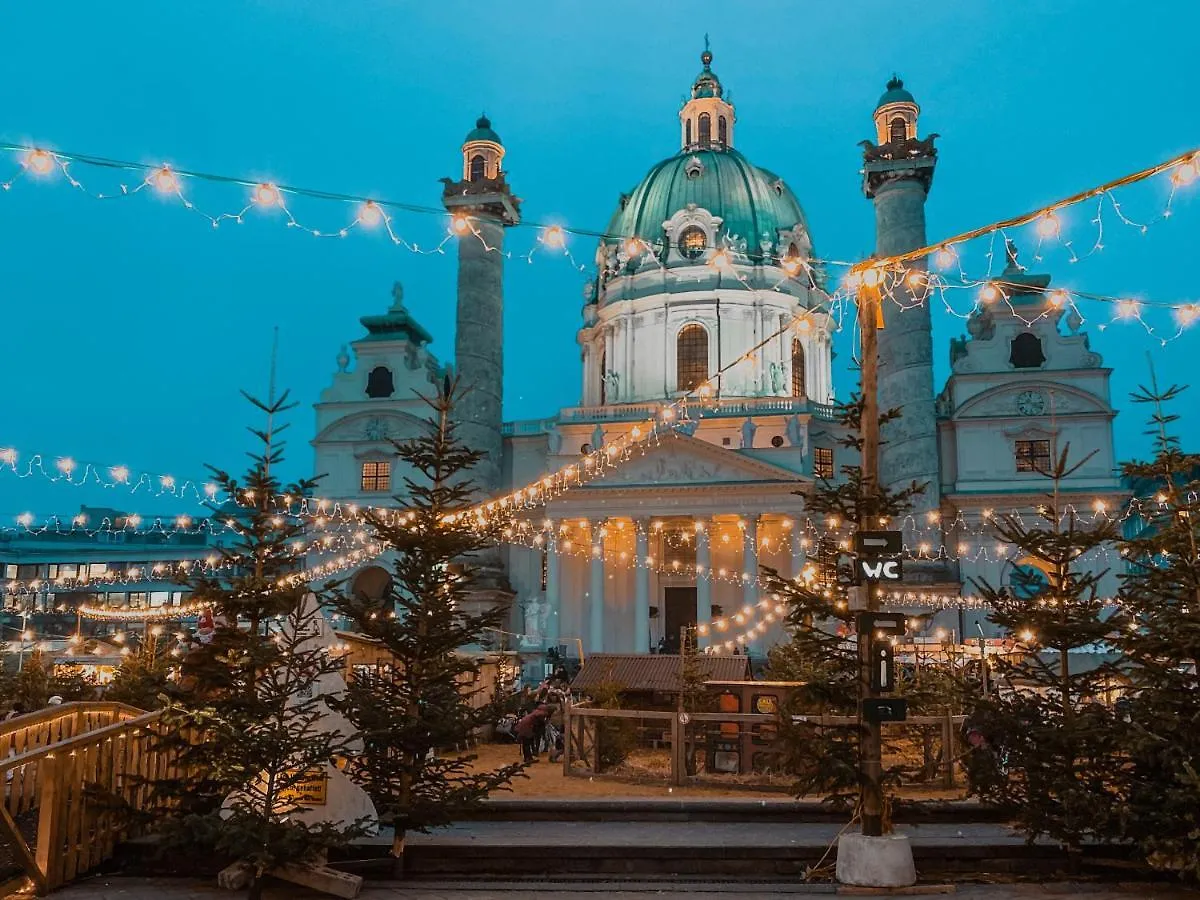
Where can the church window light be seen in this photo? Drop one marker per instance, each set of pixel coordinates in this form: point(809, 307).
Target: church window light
point(691, 357)
point(705, 123)
point(603, 380)
point(687, 132)
point(692, 242)
point(1026, 352)
point(897, 130)
point(797, 368)
point(823, 462)
point(379, 383)
point(722, 131)
point(1032, 456)
point(477, 167)
point(376, 477)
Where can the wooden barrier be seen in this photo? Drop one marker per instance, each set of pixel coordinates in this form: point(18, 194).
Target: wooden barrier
point(581, 739)
point(71, 783)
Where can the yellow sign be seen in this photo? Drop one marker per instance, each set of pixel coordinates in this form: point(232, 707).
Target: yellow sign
point(308, 790)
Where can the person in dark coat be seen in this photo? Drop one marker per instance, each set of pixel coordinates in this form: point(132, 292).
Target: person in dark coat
point(530, 730)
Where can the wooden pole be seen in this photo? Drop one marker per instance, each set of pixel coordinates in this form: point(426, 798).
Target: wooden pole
point(871, 748)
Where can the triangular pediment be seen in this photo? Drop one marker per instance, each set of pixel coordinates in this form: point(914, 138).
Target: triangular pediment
point(683, 460)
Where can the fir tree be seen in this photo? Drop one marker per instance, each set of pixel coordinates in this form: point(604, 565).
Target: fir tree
point(245, 716)
point(143, 678)
point(414, 717)
point(1053, 760)
point(1160, 637)
point(32, 685)
point(821, 624)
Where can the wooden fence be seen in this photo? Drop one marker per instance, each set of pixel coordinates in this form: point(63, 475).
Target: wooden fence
point(67, 768)
point(581, 740)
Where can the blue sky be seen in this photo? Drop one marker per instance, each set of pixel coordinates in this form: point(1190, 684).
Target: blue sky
point(130, 325)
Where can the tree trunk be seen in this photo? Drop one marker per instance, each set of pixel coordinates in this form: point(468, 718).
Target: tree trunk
point(398, 854)
point(254, 892)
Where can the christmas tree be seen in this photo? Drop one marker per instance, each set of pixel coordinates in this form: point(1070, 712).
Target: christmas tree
point(245, 720)
point(1052, 760)
point(821, 624)
point(415, 715)
point(1160, 637)
point(142, 678)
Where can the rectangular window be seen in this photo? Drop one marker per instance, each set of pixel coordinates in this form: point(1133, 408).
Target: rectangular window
point(823, 462)
point(545, 567)
point(1032, 456)
point(97, 570)
point(376, 477)
point(160, 598)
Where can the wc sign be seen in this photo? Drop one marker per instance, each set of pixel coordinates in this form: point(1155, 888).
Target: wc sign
point(879, 569)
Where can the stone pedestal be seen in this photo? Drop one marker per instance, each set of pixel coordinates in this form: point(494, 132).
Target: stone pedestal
point(882, 862)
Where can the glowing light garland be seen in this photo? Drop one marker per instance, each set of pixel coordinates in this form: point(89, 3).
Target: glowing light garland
point(880, 273)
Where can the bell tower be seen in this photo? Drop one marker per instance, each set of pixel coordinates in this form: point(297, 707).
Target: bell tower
point(482, 206)
point(897, 174)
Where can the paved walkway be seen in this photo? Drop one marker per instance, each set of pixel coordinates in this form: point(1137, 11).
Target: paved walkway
point(160, 889)
point(693, 834)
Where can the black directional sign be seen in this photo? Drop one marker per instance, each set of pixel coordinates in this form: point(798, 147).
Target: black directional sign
point(885, 709)
point(870, 569)
point(878, 543)
point(883, 667)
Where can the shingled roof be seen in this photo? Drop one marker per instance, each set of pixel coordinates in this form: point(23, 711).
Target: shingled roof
point(656, 672)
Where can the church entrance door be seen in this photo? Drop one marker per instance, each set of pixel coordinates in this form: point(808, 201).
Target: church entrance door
point(680, 605)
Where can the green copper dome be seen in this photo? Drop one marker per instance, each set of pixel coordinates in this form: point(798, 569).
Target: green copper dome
point(753, 203)
point(895, 93)
point(482, 131)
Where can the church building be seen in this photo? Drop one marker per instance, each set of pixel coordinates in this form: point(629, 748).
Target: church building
point(703, 260)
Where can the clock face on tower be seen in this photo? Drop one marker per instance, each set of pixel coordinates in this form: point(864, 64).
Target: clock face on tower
point(1030, 403)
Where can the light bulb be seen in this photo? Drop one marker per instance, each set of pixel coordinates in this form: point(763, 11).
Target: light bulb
point(944, 258)
point(267, 195)
point(40, 162)
point(460, 224)
point(1128, 309)
point(554, 237)
point(1048, 225)
point(1186, 173)
point(633, 247)
point(988, 293)
point(166, 181)
point(1058, 298)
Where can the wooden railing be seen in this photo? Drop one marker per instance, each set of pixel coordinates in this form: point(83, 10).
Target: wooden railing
point(581, 742)
point(74, 779)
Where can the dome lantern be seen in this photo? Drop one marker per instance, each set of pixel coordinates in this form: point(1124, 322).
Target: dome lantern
point(896, 114)
point(706, 120)
point(482, 152)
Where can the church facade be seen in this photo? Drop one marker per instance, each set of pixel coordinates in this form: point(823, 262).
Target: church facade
point(708, 266)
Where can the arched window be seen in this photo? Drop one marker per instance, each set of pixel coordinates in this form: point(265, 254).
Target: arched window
point(797, 368)
point(898, 130)
point(722, 131)
point(705, 129)
point(603, 372)
point(1026, 352)
point(379, 382)
point(477, 167)
point(691, 357)
point(687, 132)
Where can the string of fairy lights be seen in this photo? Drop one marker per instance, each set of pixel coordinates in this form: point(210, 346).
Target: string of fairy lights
point(885, 275)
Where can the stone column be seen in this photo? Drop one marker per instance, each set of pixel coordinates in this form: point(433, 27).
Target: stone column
point(596, 590)
point(553, 590)
point(641, 588)
point(703, 579)
point(478, 346)
point(750, 567)
point(909, 449)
